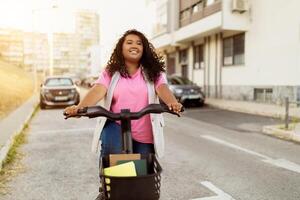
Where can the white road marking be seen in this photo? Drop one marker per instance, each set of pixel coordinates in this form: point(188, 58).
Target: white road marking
point(211, 138)
point(220, 194)
point(284, 164)
point(66, 130)
point(276, 162)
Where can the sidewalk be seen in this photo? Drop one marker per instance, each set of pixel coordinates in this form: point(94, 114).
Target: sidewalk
point(263, 110)
point(13, 124)
point(254, 108)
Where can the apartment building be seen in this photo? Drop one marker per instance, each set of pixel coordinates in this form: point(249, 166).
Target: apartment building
point(36, 51)
point(234, 49)
point(65, 52)
point(11, 46)
point(87, 29)
point(95, 60)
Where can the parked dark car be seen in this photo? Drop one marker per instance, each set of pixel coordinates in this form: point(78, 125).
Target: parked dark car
point(185, 90)
point(89, 81)
point(58, 91)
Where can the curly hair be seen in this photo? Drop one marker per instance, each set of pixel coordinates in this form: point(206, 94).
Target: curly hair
point(152, 63)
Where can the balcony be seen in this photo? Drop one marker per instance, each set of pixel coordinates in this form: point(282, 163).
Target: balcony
point(195, 12)
point(200, 18)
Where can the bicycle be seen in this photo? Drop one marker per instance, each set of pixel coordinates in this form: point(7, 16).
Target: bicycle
point(145, 187)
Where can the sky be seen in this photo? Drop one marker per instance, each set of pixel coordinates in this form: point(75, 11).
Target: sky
point(116, 16)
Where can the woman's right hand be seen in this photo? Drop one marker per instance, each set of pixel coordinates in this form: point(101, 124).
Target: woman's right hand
point(71, 110)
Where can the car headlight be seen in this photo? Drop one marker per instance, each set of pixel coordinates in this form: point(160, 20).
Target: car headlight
point(73, 91)
point(45, 91)
point(178, 91)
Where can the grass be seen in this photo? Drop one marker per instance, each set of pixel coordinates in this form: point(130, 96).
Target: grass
point(292, 124)
point(290, 127)
point(12, 164)
point(16, 86)
point(18, 140)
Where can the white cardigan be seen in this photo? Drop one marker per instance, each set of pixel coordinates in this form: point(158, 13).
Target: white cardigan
point(157, 120)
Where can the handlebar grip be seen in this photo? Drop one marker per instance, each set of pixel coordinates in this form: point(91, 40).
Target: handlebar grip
point(82, 110)
point(182, 109)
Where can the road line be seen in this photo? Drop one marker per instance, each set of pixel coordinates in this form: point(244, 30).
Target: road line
point(234, 146)
point(221, 195)
point(282, 163)
point(65, 130)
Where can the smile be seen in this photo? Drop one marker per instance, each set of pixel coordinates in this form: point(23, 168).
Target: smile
point(133, 51)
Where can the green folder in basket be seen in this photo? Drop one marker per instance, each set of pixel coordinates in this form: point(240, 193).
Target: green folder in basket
point(140, 166)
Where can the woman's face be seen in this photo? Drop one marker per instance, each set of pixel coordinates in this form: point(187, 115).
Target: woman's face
point(132, 48)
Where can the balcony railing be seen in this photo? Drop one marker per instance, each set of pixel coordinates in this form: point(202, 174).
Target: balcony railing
point(204, 11)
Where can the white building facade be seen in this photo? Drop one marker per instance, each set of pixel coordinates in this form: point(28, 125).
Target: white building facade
point(36, 51)
point(95, 60)
point(87, 29)
point(235, 49)
point(11, 46)
point(65, 52)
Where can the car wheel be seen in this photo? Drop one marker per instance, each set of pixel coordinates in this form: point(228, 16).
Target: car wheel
point(201, 103)
point(77, 100)
point(42, 105)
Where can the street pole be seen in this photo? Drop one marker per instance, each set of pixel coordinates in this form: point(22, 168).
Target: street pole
point(50, 40)
point(50, 37)
point(286, 113)
point(34, 70)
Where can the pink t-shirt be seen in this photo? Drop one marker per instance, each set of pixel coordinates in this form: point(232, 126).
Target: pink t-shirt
point(131, 93)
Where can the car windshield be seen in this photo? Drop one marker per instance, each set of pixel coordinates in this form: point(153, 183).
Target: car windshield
point(59, 82)
point(176, 80)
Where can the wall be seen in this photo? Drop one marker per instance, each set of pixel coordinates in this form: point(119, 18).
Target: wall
point(234, 20)
point(271, 48)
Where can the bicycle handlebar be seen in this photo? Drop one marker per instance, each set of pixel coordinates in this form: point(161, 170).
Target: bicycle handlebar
point(99, 111)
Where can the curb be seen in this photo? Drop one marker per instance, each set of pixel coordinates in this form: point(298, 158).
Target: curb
point(273, 130)
point(282, 134)
point(29, 107)
point(243, 110)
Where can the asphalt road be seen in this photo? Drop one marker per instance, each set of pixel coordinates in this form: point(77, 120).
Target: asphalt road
point(231, 120)
point(210, 154)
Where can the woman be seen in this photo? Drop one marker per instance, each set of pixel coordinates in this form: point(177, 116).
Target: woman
point(133, 70)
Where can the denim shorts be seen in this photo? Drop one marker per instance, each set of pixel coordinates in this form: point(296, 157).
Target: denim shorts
point(111, 141)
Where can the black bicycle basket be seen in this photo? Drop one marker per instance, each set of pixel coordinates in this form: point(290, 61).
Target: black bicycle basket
point(146, 187)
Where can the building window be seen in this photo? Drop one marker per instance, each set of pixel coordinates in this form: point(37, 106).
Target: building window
point(185, 14)
point(198, 57)
point(197, 7)
point(234, 50)
point(263, 94)
point(183, 56)
point(210, 2)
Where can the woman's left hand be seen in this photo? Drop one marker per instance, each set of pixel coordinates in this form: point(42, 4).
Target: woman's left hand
point(176, 107)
